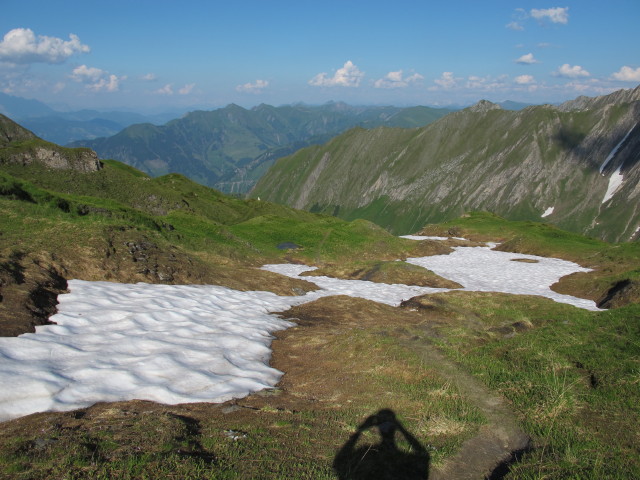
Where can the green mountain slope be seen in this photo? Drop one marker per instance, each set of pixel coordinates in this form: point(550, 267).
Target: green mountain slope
point(65, 214)
point(231, 148)
point(540, 163)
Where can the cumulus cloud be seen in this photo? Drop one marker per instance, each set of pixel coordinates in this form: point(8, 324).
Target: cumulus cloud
point(627, 74)
point(255, 87)
point(568, 71)
point(396, 80)
point(525, 80)
point(347, 76)
point(22, 46)
point(486, 84)
point(554, 15)
point(527, 59)
point(166, 90)
point(446, 81)
point(187, 89)
point(149, 77)
point(96, 79)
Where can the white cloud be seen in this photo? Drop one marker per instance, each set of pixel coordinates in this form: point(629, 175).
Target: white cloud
point(347, 76)
point(525, 80)
point(486, 84)
point(514, 26)
point(166, 90)
point(186, 90)
point(396, 80)
point(568, 71)
point(446, 81)
point(96, 79)
point(149, 77)
point(21, 45)
point(83, 73)
point(527, 59)
point(627, 74)
point(554, 15)
point(255, 87)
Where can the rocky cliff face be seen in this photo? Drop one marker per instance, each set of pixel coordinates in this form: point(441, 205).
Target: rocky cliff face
point(20, 146)
point(575, 166)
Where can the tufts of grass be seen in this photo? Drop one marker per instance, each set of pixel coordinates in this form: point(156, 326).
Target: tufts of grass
point(572, 375)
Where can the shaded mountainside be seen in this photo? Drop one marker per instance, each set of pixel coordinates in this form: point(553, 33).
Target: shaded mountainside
point(575, 166)
point(230, 148)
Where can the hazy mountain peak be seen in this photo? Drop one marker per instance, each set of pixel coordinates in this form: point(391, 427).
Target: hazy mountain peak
point(484, 106)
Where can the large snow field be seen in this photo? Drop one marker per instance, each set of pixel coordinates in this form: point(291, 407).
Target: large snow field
point(179, 343)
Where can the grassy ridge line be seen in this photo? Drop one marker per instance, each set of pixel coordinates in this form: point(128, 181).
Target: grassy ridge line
point(186, 215)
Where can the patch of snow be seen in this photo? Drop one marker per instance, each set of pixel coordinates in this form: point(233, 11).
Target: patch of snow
point(427, 237)
point(548, 212)
point(422, 237)
point(614, 151)
point(485, 270)
point(615, 181)
point(634, 233)
point(166, 343)
point(378, 292)
point(194, 343)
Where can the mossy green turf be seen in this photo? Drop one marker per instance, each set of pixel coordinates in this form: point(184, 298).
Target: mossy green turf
point(182, 212)
point(573, 376)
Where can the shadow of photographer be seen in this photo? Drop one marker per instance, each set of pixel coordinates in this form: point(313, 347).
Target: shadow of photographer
point(385, 459)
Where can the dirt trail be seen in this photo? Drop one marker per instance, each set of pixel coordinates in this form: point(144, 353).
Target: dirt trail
point(496, 442)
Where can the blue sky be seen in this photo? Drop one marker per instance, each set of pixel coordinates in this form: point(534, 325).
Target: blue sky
point(143, 55)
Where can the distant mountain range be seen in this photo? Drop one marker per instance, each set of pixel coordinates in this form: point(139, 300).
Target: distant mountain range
point(230, 148)
point(65, 127)
point(576, 165)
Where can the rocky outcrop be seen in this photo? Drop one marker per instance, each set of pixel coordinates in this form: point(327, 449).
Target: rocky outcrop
point(83, 160)
point(20, 146)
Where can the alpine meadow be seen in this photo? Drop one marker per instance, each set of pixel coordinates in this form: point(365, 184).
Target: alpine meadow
point(336, 241)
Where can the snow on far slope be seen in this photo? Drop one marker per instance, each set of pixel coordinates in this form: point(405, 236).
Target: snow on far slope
point(193, 343)
point(548, 212)
point(423, 237)
point(615, 182)
point(614, 151)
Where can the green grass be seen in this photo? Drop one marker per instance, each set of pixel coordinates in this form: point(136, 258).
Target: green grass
point(574, 377)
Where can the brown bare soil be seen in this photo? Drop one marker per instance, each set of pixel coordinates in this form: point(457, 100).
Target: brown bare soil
point(385, 272)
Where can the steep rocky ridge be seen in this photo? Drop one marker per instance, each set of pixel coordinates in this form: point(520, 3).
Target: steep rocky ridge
point(574, 166)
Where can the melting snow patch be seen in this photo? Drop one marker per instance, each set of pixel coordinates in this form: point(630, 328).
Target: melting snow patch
point(548, 212)
point(179, 343)
point(614, 151)
point(166, 343)
point(615, 181)
point(485, 270)
point(422, 237)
